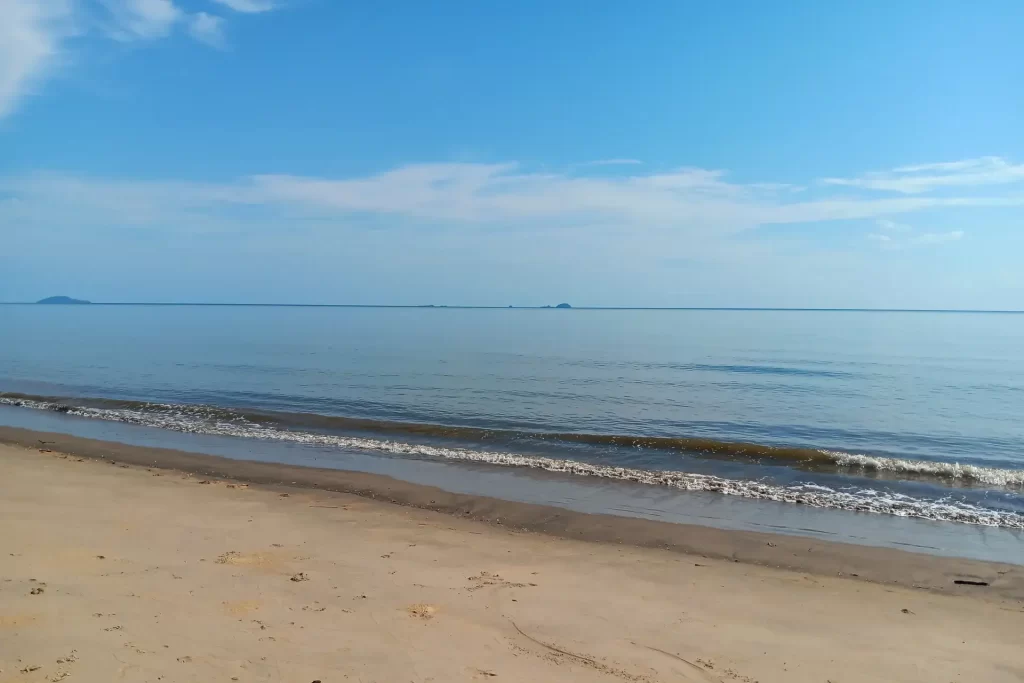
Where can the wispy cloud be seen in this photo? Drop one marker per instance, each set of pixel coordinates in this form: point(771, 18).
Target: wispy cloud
point(938, 237)
point(610, 162)
point(686, 201)
point(901, 236)
point(248, 6)
point(207, 28)
point(34, 33)
point(888, 225)
point(924, 178)
point(141, 19)
point(31, 36)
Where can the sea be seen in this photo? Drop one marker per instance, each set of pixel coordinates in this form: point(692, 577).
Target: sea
point(892, 428)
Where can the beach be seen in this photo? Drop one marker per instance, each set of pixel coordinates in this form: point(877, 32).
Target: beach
point(125, 563)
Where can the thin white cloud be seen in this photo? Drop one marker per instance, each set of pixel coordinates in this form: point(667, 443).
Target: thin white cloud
point(31, 36)
point(945, 166)
point(499, 192)
point(610, 162)
point(923, 178)
point(902, 236)
point(207, 28)
point(938, 237)
point(34, 34)
point(467, 195)
point(892, 226)
point(248, 6)
point(141, 19)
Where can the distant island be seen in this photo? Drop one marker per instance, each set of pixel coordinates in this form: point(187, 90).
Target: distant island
point(558, 306)
point(62, 300)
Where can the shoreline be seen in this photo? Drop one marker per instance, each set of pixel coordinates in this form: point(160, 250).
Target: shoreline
point(798, 554)
point(911, 493)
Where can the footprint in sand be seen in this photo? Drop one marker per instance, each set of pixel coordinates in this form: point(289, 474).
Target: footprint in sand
point(238, 608)
point(264, 561)
point(487, 580)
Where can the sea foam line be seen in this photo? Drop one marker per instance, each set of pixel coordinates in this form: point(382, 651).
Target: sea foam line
point(945, 470)
point(190, 419)
point(796, 457)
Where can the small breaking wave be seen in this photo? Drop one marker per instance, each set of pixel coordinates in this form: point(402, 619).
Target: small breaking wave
point(992, 476)
point(217, 421)
point(809, 459)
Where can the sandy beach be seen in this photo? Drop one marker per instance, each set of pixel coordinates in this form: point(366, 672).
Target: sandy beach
point(115, 569)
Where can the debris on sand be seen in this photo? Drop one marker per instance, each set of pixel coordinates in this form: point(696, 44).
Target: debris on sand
point(422, 611)
point(301, 576)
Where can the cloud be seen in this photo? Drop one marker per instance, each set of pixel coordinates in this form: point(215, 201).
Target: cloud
point(31, 37)
point(141, 19)
point(207, 28)
point(248, 6)
point(924, 178)
point(892, 226)
point(504, 192)
point(901, 236)
point(470, 196)
point(938, 237)
point(34, 34)
point(610, 162)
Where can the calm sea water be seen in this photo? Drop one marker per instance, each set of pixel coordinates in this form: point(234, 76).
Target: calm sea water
point(910, 414)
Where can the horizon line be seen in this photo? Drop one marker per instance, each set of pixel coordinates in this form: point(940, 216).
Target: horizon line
point(544, 307)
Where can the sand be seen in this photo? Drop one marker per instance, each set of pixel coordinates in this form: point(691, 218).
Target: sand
point(122, 572)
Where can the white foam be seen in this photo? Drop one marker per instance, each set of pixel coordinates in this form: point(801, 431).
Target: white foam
point(945, 470)
point(195, 419)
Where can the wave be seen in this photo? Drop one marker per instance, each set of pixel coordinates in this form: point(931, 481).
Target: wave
point(993, 476)
point(221, 422)
point(801, 458)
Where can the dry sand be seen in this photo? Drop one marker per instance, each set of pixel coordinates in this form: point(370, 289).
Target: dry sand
point(126, 573)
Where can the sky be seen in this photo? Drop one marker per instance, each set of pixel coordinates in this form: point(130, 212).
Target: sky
point(663, 153)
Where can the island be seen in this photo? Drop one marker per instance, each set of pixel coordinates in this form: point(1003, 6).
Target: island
point(558, 306)
point(62, 300)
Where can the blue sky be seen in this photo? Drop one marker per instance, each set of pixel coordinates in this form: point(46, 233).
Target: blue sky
point(672, 153)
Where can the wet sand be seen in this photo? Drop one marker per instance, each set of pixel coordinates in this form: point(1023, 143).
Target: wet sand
point(132, 572)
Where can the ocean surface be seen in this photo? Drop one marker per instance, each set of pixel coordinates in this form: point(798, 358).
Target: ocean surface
point(910, 415)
